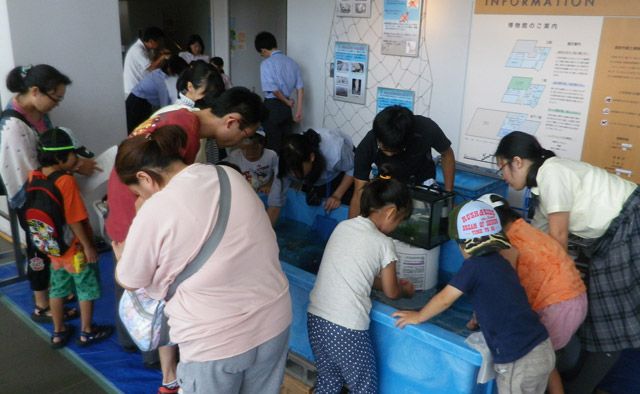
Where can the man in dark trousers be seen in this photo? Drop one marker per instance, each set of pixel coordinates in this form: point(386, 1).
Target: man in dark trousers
point(280, 77)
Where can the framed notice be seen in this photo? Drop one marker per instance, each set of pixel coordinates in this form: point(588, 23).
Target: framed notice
point(401, 27)
point(388, 97)
point(354, 8)
point(350, 72)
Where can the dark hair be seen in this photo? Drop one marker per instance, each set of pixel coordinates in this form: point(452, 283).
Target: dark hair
point(393, 127)
point(43, 76)
point(47, 159)
point(151, 153)
point(201, 73)
point(506, 214)
point(192, 40)
point(297, 149)
point(152, 33)
point(217, 61)
point(380, 192)
point(175, 65)
point(524, 146)
point(242, 101)
point(265, 40)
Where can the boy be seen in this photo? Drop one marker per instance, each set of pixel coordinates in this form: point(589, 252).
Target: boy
point(74, 265)
point(518, 342)
point(256, 163)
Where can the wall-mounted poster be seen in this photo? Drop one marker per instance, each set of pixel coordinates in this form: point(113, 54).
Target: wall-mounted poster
point(354, 8)
point(388, 97)
point(401, 27)
point(350, 75)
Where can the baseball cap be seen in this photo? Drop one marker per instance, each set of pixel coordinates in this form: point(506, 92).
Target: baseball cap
point(476, 226)
point(492, 199)
point(61, 139)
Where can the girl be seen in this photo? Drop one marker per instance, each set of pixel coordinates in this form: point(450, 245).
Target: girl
point(359, 255)
point(217, 330)
point(195, 50)
point(219, 64)
point(549, 276)
point(38, 90)
point(151, 92)
point(604, 209)
point(323, 161)
point(255, 162)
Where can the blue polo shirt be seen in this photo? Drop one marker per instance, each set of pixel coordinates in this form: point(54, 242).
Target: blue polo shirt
point(153, 89)
point(510, 327)
point(280, 72)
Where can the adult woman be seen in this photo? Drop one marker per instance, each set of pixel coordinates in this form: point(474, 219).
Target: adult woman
point(228, 119)
point(39, 89)
point(604, 209)
point(323, 161)
point(195, 50)
point(151, 92)
point(194, 83)
point(233, 314)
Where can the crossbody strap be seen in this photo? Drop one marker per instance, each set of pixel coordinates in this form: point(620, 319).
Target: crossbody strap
point(214, 239)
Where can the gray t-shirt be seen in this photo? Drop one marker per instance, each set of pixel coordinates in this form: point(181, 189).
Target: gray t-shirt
point(355, 254)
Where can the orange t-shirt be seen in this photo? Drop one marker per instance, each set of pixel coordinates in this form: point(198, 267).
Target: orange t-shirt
point(74, 212)
point(546, 271)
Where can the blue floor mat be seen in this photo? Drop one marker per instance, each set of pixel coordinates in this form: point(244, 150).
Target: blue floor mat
point(124, 370)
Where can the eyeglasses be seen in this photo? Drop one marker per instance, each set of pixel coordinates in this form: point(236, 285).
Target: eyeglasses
point(499, 170)
point(245, 128)
point(53, 98)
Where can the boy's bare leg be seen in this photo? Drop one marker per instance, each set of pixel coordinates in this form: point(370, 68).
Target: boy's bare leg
point(555, 383)
point(86, 315)
point(57, 314)
point(41, 298)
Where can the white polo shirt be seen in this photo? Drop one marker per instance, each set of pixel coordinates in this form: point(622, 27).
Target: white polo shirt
point(592, 196)
point(136, 63)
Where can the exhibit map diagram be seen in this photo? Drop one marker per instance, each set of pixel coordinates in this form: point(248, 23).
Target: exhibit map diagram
point(522, 91)
point(526, 54)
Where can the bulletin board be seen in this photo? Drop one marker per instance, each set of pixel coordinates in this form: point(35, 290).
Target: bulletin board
point(565, 72)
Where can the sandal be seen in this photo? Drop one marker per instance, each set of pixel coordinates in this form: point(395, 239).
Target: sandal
point(63, 336)
point(97, 334)
point(43, 315)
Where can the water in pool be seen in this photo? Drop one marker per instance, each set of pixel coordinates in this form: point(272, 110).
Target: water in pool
point(301, 246)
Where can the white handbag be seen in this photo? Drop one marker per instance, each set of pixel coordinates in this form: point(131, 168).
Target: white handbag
point(144, 317)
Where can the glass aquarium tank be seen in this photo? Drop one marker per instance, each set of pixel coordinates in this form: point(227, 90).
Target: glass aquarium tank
point(428, 225)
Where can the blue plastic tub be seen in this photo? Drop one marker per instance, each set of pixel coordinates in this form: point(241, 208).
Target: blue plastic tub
point(427, 358)
point(472, 182)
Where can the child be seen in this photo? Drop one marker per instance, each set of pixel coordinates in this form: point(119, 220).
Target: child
point(75, 266)
point(256, 163)
point(549, 277)
point(518, 342)
point(357, 254)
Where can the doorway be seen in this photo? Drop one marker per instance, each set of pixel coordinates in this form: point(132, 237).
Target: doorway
point(246, 19)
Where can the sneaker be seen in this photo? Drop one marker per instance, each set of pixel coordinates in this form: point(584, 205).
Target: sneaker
point(167, 390)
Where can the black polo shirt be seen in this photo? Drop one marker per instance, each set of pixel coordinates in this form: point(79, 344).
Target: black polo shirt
point(415, 164)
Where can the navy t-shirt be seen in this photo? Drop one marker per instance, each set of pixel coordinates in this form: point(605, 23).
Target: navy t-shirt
point(509, 325)
point(415, 164)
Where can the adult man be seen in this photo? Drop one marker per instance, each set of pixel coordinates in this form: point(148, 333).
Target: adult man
point(138, 62)
point(280, 76)
point(401, 142)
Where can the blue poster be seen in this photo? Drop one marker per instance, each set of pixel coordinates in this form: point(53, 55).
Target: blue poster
point(388, 97)
point(401, 27)
point(350, 73)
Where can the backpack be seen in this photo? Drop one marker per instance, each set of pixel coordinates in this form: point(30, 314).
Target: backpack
point(44, 213)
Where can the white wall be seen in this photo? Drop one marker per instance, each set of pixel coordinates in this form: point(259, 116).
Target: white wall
point(248, 18)
point(447, 30)
point(67, 35)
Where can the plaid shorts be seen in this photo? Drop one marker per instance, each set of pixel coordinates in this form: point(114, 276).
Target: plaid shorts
point(613, 321)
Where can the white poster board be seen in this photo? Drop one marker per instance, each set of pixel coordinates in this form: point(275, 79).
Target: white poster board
point(401, 27)
point(350, 74)
point(354, 8)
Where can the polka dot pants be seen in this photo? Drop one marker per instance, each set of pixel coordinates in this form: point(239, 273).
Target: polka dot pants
point(343, 357)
